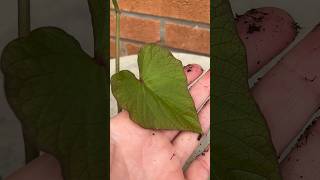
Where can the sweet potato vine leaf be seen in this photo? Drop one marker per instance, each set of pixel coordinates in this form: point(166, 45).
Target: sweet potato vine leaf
point(242, 147)
point(160, 98)
point(60, 96)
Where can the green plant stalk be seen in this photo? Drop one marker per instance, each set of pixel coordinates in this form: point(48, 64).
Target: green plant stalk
point(98, 11)
point(31, 151)
point(117, 41)
point(117, 61)
point(23, 18)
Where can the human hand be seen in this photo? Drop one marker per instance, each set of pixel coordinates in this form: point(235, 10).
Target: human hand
point(145, 154)
point(137, 153)
point(288, 94)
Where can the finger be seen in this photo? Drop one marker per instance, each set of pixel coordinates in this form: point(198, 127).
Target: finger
point(200, 167)
point(186, 142)
point(262, 46)
point(289, 94)
point(304, 162)
point(192, 72)
point(43, 167)
point(265, 32)
point(200, 91)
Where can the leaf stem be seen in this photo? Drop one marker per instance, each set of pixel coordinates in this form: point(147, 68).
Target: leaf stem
point(23, 18)
point(98, 11)
point(117, 41)
point(24, 29)
point(31, 151)
point(117, 61)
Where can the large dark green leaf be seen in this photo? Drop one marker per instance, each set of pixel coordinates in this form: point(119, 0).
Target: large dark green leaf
point(160, 98)
point(242, 146)
point(60, 96)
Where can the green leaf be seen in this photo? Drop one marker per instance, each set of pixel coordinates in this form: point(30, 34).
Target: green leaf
point(241, 140)
point(60, 96)
point(160, 98)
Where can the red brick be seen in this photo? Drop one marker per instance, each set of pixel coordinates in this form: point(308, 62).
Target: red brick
point(132, 48)
point(194, 10)
point(139, 29)
point(188, 38)
point(112, 48)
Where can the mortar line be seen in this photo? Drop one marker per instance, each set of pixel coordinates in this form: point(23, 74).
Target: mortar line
point(171, 48)
point(162, 32)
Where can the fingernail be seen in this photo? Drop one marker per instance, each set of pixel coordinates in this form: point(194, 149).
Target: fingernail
point(192, 71)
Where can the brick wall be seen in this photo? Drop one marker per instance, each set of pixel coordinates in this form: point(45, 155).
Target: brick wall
point(181, 25)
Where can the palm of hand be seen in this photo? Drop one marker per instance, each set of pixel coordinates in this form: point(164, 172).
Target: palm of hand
point(143, 154)
point(138, 153)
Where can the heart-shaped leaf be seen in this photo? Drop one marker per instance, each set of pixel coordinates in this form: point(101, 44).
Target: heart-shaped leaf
point(241, 140)
point(60, 96)
point(160, 98)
